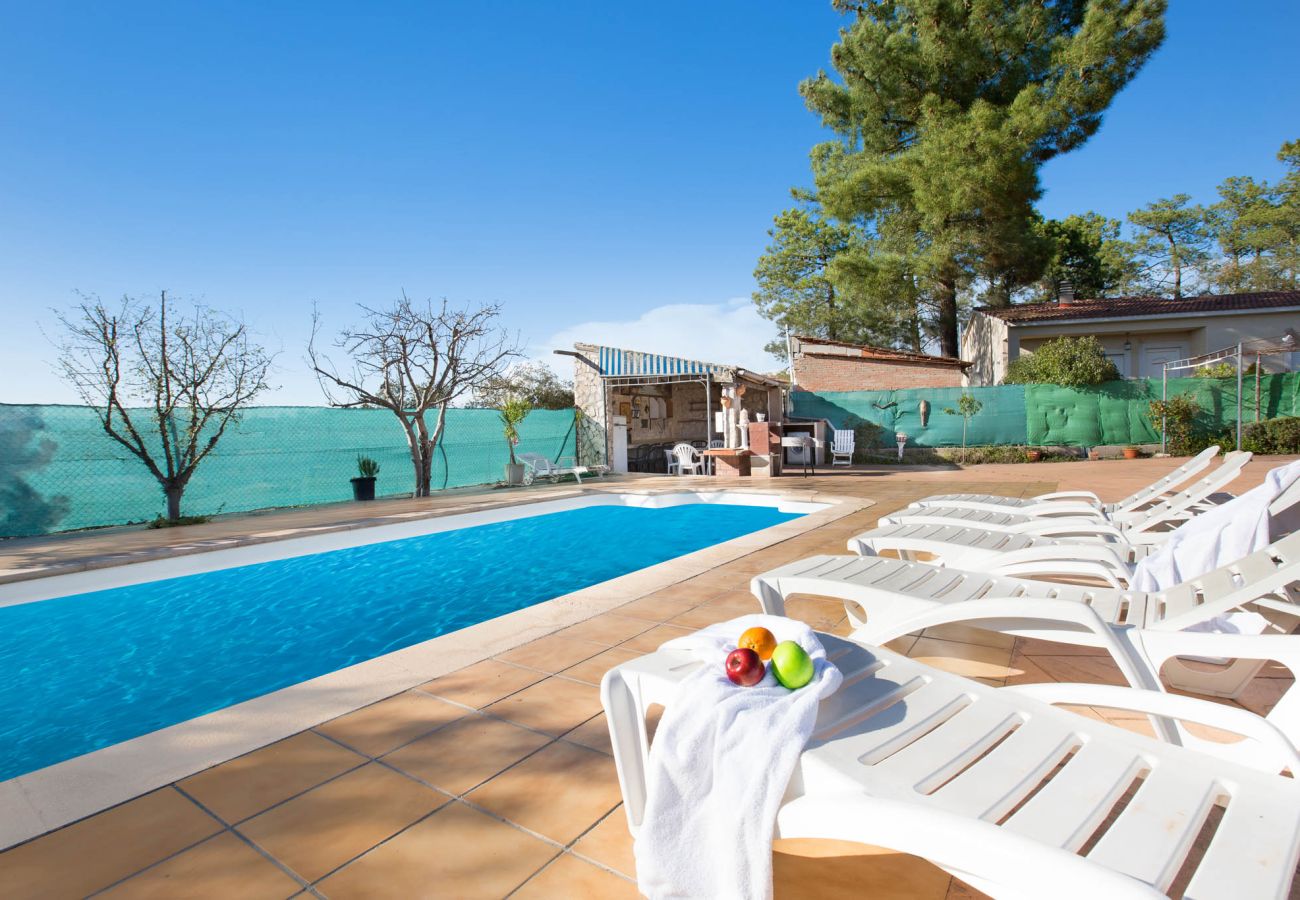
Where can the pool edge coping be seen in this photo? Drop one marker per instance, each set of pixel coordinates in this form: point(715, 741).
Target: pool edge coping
point(37, 803)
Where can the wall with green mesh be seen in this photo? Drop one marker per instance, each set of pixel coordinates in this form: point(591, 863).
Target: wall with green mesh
point(1114, 413)
point(58, 470)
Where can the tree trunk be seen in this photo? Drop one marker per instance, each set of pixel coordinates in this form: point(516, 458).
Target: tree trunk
point(173, 493)
point(947, 324)
point(1178, 269)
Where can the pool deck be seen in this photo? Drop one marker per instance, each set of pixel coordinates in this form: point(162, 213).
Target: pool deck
point(495, 778)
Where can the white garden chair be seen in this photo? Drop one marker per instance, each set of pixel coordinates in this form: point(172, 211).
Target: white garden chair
point(842, 448)
point(1159, 490)
point(1002, 789)
point(537, 466)
point(673, 467)
point(1150, 525)
point(887, 598)
point(689, 461)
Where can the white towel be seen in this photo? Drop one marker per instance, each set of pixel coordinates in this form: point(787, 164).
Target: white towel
point(719, 766)
point(1217, 537)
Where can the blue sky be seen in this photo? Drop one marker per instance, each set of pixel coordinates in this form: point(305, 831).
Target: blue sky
point(604, 171)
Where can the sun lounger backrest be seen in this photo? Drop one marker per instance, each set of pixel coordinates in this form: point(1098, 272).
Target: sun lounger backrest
point(1274, 570)
point(1149, 493)
point(1179, 503)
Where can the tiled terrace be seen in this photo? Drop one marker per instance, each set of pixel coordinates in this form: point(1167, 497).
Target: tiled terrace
point(496, 779)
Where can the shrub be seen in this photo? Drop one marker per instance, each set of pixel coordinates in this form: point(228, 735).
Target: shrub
point(1072, 362)
point(1281, 435)
point(1187, 430)
point(1225, 370)
point(866, 436)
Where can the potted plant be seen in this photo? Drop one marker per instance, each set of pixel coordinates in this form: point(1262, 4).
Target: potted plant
point(363, 486)
point(1033, 454)
point(513, 411)
point(1131, 452)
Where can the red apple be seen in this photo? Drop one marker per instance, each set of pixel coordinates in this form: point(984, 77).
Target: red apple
point(745, 667)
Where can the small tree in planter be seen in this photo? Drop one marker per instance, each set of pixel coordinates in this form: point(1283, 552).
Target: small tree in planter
point(363, 486)
point(967, 407)
point(513, 412)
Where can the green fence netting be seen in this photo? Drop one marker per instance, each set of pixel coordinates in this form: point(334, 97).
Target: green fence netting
point(1114, 413)
point(1001, 419)
point(58, 470)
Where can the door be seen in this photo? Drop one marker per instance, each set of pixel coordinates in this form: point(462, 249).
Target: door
point(1120, 359)
point(618, 458)
point(1154, 356)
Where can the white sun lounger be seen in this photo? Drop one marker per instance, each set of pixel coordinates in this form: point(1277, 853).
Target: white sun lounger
point(1025, 555)
point(1007, 792)
point(1158, 490)
point(1149, 525)
point(887, 598)
point(537, 466)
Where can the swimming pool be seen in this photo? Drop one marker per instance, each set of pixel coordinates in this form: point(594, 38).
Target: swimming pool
point(85, 670)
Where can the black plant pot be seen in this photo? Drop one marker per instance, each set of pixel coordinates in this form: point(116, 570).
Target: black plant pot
point(363, 488)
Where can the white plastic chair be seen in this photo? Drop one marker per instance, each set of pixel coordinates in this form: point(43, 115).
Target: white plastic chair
point(888, 598)
point(673, 467)
point(842, 448)
point(997, 786)
point(689, 462)
point(538, 466)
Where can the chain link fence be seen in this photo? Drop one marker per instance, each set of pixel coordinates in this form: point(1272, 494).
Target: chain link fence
point(60, 471)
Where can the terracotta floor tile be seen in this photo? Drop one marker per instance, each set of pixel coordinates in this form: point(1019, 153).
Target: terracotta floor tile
point(819, 613)
point(657, 607)
point(610, 843)
point(466, 753)
point(593, 733)
point(702, 617)
point(812, 870)
point(969, 634)
point(552, 653)
point(649, 641)
point(482, 683)
point(91, 854)
point(380, 727)
point(258, 780)
point(223, 866)
point(554, 706)
point(971, 660)
point(1087, 669)
point(558, 792)
point(608, 629)
point(741, 601)
point(456, 852)
point(594, 669)
point(329, 825)
point(572, 877)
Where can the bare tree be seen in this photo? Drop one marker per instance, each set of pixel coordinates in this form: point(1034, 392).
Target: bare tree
point(164, 387)
point(412, 359)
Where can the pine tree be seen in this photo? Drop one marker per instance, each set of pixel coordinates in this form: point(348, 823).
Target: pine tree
point(1175, 240)
point(794, 288)
point(945, 111)
point(1088, 252)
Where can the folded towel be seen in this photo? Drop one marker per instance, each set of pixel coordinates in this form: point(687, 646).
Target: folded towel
point(719, 766)
point(1217, 537)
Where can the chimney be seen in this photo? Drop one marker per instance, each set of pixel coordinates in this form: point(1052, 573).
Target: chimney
point(1065, 293)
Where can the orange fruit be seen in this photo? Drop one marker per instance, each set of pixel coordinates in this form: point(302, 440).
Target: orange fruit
point(760, 640)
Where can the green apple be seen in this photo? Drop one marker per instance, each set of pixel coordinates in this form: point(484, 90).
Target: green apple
point(791, 665)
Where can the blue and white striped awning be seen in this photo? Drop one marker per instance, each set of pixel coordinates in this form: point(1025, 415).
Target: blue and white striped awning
point(617, 362)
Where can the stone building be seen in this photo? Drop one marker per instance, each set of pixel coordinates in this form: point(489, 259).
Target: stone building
point(661, 400)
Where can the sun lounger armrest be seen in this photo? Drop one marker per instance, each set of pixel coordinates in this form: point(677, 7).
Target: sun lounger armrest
point(1063, 508)
point(1071, 495)
point(1173, 706)
point(1096, 561)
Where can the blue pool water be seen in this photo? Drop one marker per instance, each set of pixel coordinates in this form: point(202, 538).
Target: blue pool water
point(82, 672)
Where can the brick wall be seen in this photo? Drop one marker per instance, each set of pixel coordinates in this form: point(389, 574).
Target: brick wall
point(815, 372)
